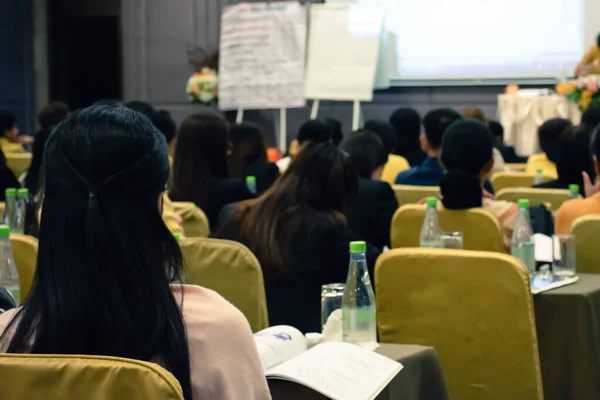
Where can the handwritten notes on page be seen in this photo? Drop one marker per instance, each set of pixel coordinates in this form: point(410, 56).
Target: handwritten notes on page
point(340, 371)
point(278, 344)
point(262, 55)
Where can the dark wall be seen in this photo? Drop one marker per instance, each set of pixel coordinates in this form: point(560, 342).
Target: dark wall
point(16, 61)
point(157, 33)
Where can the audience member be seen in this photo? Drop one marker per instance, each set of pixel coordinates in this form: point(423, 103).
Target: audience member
point(547, 135)
point(371, 215)
point(478, 114)
point(10, 141)
point(103, 288)
point(387, 134)
point(249, 156)
point(312, 131)
point(50, 116)
point(166, 125)
point(467, 154)
point(298, 232)
point(200, 167)
point(7, 178)
point(591, 118)
point(336, 131)
point(572, 159)
point(508, 152)
point(573, 209)
point(407, 124)
point(430, 173)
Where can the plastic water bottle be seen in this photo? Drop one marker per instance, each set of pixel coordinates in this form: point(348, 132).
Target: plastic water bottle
point(10, 204)
point(251, 183)
point(539, 177)
point(573, 191)
point(358, 302)
point(522, 245)
point(9, 277)
point(431, 234)
point(21, 211)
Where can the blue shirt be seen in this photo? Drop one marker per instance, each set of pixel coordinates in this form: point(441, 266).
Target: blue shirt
point(430, 173)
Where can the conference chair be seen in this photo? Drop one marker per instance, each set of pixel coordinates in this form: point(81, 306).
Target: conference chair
point(502, 180)
point(18, 162)
point(587, 231)
point(74, 377)
point(393, 167)
point(554, 197)
point(195, 222)
point(516, 167)
point(406, 194)
point(481, 229)
point(25, 252)
point(475, 308)
point(230, 269)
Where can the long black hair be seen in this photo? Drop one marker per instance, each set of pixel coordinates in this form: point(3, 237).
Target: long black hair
point(467, 146)
point(105, 256)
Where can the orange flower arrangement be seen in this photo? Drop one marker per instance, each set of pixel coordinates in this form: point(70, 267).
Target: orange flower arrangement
point(583, 92)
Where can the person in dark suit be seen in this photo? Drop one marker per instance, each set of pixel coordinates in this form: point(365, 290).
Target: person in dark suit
point(299, 233)
point(573, 159)
point(508, 152)
point(407, 124)
point(375, 205)
point(249, 156)
point(591, 118)
point(200, 168)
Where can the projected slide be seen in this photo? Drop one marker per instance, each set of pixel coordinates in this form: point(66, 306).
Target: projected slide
point(471, 39)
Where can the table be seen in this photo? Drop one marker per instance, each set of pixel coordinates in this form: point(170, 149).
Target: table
point(568, 329)
point(522, 116)
point(420, 379)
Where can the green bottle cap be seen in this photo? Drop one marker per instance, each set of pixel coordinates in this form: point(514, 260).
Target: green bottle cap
point(250, 179)
point(431, 201)
point(10, 192)
point(524, 203)
point(177, 237)
point(358, 247)
point(539, 171)
point(4, 231)
point(574, 188)
point(23, 192)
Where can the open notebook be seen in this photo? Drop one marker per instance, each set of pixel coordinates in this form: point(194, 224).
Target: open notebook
point(340, 371)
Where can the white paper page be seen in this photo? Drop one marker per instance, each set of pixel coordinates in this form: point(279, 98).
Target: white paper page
point(540, 286)
point(543, 248)
point(343, 50)
point(278, 344)
point(262, 56)
point(341, 371)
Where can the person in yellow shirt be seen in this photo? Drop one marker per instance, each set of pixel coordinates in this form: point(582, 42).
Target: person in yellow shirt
point(590, 62)
point(548, 133)
point(573, 209)
point(10, 141)
point(171, 219)
point(395, 163)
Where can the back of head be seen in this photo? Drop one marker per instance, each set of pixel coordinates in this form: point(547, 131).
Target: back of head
point(200, 154)
point(497, 130)
point(314, 131)
point(52, 114)
point(467, 148)
point(549, 132)
point(336, 130)
point(407, 124)
point(591, 117)
point(320, 180)
point(7, 121)
point(386, 133)
point(105, 256)
point(142, 107)
point(366, 151)
point(248, 146)
point(166, 125)
point(474, 113)
point(573, 155)
point(436, 122)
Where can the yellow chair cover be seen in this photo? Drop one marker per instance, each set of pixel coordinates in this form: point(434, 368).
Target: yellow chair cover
point(230, 269)
point(18, 162)
point(406, 194)
point(503, 180)
point(70, 377)
point(516, 167)
point(587, 231)
point(481, 229)
point(474, 308)
point(25, 252)
point(195, 222)
point(554, 197)
point(393, 167)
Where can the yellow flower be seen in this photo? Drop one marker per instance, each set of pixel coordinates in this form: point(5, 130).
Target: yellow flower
point(585, 102)
point(587, 94)
point(565, 88)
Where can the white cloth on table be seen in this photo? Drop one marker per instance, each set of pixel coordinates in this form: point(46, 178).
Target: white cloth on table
point(522, 116)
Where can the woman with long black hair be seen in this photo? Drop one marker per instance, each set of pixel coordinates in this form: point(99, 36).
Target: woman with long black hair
point(106, 259)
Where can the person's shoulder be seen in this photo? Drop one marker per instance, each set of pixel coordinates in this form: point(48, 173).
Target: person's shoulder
point(405, 177)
